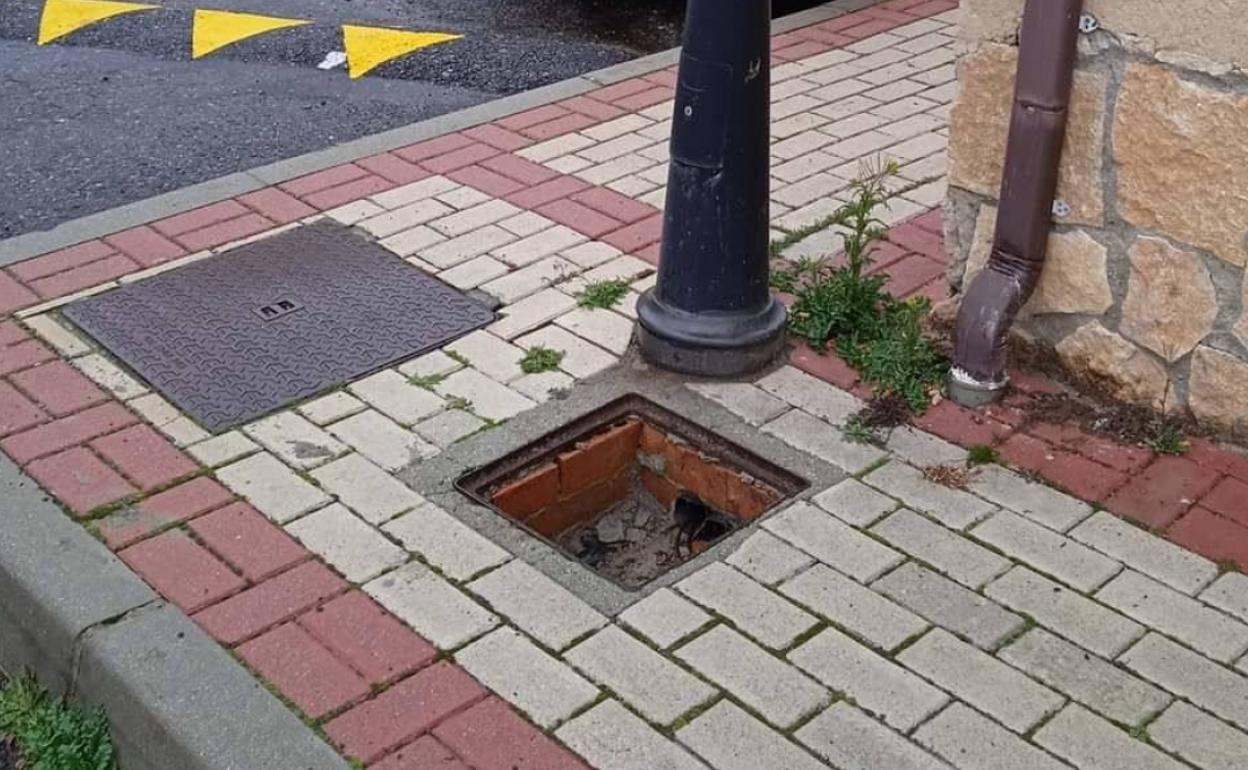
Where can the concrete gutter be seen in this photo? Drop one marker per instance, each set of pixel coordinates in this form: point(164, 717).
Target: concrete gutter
point(75, 615)
point(140, 212)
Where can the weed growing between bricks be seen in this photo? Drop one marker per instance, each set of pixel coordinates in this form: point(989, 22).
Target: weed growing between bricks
point(602, 295)
point(846, 306)
point(39, 732)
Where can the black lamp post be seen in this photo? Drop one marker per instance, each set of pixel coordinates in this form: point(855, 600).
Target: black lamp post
point(711, 312)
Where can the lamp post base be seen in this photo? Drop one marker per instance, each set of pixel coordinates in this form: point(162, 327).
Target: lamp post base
point(715, 345)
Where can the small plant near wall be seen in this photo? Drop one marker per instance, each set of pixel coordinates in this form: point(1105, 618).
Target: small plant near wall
point(847, 307)
point(541, 359)
point(52, 734)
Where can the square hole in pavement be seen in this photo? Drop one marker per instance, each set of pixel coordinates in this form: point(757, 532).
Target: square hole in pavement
point(244, 333)
point(631, 490)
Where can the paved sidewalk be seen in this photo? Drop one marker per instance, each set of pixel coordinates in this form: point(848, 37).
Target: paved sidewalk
point(882, 622)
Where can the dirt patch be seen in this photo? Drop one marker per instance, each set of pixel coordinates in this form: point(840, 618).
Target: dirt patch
point(949, 476)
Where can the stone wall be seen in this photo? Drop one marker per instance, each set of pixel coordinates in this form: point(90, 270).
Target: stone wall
point(1145, 282)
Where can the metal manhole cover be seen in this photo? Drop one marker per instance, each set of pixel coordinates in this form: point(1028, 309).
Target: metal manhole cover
point(236, 336)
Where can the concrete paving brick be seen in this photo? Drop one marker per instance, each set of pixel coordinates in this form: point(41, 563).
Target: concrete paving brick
point(1065, 612)
point(951, 554)
point(664, 617)
point(602, 327)
point(537, 605)
point(833, 542)
point(295, 440)
point(415, 191)
point(973, 742)
point(530, 313)
point(451, 252)
point(275, 490)
point(464, 197)
point(222, 449)
point(109, 376)
point(474, 217)
point(547, 690)
point(610, 737)
point(356, 211)
point(1160, 559)
point(768, 559)
point(581, 358)
point(949, 605)
point(658, 689)
point(1092, 681)
point(489, 354)
point(1045, 550)
point(730, 739)
point(1087, 741)
point(474, 272)
point(752, 608)
point(431, 606)
point(748, 402)
point(326, 409)
point(1230, 594)
point(528, 250)
point(526, 223)
point(1037, 502)
point(855, 503)
point(56, 334)
point(1153, 604)
point(405, 217)
point(1199, 738)
point(418, 239)
point(447, 427)
point(486, 397)
point(811, 394)
point(381, 440)
point(519, 284)
point(368, 490)
point(540, 386)
point(590, 254)
point(804, 166)
point(454, 548)
point(624, 268)
point(395, 396)
point(849, 739)
point(347, 543)
point(781, 694)
point(951, 507)
point(802, 431)
point(876, 684)
point(856, 609)
point(1187, 674)
point(435, 364)
point(981, 680)
point(921, 449)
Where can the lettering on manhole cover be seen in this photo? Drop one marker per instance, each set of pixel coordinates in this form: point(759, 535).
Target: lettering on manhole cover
point(236, 336)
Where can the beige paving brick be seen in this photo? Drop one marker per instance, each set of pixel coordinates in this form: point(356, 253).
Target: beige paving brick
point(449, 253)
point(799, 429)
point(553, 148)
point(295, 440)
point(354, 212)
point(480, 215)
point(530, 313)
point(395, 396)
point(810, 394)
point(664, 617)
point(768, 559)
point(541, 385)
point(331, 408)
point(222, 449)
point(405, 218)
point(416, 191)
point(760, 613)
point(973, 742)
point(746, 401)
point(537, 605)
point(625, 124)
point(590, 254)
point(833, 542)
point(454, 548)
point(1056, 555)
point(274, 489)
point(368, 490)
point(1164, 609)
point(547, 690)
point(952, 507)
point(462, 197)
point(602, 327)
point(855, 503)
point(474, 272)
point(1160, 559)
point(431, 606)
point(1213, 687)
point(951, 606)
point(625, 165)
point(948, 552)
point(1038, 502)
point(346, 543)
point(109, 376)
point(855, 608)
point(1199, 738)
point(848, 738)
point(1230, 594)
point(414, 241)
point(528, 250)
point(490, 354)
point(581, 358)
point(730, 739)
point(435, 364)
point(381, 440)
point(486, 397)
point(610, 737)
point(521, 283)
point(445, 428)
point(1086, 740)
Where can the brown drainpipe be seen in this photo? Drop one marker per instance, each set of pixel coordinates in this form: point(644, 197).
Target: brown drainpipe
point(1046, 63)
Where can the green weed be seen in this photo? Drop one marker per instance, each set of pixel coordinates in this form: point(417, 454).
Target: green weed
point(1168, 439)
point(982, 454)
point(52, 734)
point(541, 359)
point(604, 294)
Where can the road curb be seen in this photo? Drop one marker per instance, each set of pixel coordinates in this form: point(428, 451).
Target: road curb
point(74, 614)
point(129, 215)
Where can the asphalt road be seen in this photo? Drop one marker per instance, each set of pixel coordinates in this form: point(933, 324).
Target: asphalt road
point(119, 112)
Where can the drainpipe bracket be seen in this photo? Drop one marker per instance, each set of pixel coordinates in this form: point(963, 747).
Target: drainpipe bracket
point(972, 392)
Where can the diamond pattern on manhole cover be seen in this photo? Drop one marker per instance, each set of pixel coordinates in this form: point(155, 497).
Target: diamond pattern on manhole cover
point(236, 336)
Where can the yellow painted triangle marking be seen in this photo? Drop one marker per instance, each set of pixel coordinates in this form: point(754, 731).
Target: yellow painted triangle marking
point(217, 29)
point(61, 17)
point(370, 47)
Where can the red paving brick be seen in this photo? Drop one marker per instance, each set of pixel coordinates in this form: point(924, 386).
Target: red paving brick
point(302, 670)
point(351, 191)
point(425, 753)
point(199, 218)
point(242, 536)
point(1228, 460)
point(620, 90)
point(1078, 475)
point(560, 126)
point(11, 334)
point(911, 273)
point(1127, 459)
point(592, 107)
point(145, 246)
point(637, 235)
point(276, 205)
point(614, 205)
point(464, 156)
point(392, 167)
point(960, 425)
point(433, 147)
point(647, 98)
point(398, 715)
point(1230, 499)
point(58, 387)
point(498, 137)
point(17, 412)
point(1163, 492)
point(363, 634)
point(802, 49)
point(144, 456)
point(66, 432)
point(80, 480)
point(546, 192)
point(70, 281)
point(827, 366)
point(62, 260)
point(490, 736)
point(225, 232)
point(162, 510)
point(485, 180)
point(514, 167)
point(323, 180)
point(274, 601)
point(1212, 536)
point(182, 571)
point(531, 117)
point(580, 218)
point(23, 355)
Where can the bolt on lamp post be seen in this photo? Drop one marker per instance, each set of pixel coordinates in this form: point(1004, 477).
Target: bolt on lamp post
point(711, 312)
